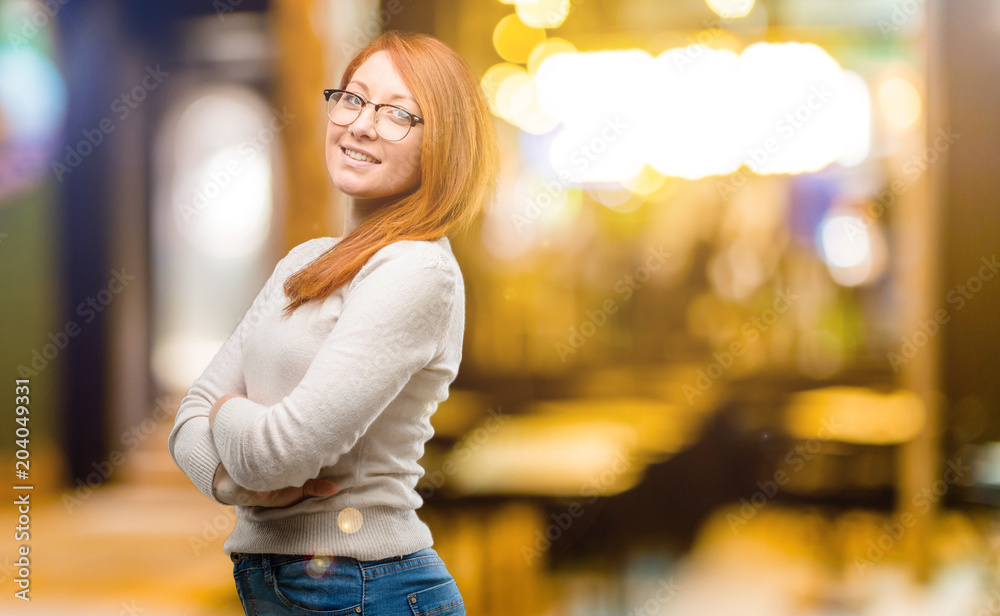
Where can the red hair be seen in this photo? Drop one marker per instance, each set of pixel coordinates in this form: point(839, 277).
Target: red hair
point(459, 163)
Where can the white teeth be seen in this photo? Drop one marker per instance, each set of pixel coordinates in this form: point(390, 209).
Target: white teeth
point(359, 156)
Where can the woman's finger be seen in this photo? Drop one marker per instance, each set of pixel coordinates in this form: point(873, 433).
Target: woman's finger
point(319, 487)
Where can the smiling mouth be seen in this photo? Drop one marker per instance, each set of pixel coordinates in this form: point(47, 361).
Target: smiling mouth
point(359, 156)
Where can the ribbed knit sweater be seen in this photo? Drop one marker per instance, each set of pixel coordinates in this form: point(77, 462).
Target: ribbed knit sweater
point(343, 390)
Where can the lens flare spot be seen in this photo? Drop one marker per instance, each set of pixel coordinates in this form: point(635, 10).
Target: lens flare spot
point(320, 566)
point(349, 520)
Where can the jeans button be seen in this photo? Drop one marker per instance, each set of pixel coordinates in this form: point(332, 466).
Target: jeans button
point(236, 557)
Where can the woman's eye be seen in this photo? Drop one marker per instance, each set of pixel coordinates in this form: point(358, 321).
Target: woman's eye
point(400, 116)
point(353, 100)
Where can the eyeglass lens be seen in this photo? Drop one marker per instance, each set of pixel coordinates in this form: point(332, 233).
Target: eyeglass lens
point(390, 123)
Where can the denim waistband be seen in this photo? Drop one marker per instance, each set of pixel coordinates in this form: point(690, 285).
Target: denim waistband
point(243, 561)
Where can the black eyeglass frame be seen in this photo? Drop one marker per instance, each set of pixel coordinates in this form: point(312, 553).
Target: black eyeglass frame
point(414, 118)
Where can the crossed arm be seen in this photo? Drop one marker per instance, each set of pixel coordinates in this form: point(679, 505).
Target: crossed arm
point(226, 490)
point(240, 452)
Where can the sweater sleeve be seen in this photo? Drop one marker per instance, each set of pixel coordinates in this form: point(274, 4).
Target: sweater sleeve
point(190, 441)
point(391, 325)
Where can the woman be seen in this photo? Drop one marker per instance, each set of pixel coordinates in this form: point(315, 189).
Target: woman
point(313, 415)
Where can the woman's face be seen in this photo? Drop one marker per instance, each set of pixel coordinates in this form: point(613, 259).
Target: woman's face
point(387, 168)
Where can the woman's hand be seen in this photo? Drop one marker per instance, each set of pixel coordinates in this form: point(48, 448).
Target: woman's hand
point(227, 491)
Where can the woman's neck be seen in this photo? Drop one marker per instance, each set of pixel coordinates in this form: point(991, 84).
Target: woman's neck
point(360, 209)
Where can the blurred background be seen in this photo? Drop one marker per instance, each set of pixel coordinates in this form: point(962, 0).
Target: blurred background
point(732, 340)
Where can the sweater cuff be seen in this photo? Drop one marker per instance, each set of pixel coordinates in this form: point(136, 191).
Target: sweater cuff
point(231, 422)
point(203, 459)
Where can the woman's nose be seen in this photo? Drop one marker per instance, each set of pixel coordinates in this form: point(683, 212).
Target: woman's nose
point(365, 124)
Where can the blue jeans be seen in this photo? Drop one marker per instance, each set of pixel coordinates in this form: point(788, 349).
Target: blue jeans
point(417, 584)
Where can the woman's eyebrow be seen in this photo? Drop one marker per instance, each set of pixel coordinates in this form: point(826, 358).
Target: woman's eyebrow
point(393, 97)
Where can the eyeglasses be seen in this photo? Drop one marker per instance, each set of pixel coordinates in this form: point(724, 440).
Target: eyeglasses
point(344, 107)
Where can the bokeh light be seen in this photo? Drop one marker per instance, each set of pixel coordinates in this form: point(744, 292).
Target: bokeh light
point(546, 48)
point(852, 247)
point(543, 13)
point(695, 111)
point(731, 9)
point(899, 101)
point(32, 96)
point(514, 40)
point(223, 189)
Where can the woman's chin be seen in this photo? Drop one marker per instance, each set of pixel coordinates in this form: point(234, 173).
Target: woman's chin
point(367, 193)
point(357, 190)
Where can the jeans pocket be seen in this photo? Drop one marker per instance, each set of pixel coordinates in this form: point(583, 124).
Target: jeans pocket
point(245, 594)
point(441, 600)
point(318, 586)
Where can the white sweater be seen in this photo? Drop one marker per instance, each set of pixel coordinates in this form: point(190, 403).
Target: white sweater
point(341, 390)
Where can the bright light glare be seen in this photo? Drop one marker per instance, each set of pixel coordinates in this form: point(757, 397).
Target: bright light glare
point(32, 96)
point(899, 101)
point(855, 252)
point(515, 95)
point(603, 128)
point(548, 47)
point(857, 106)
point(844, 241)
point(221, 193)
point(237, 222)
point(179, 360)
point(731, 9)
point(543, 13)
point(493, 78)
point(694, 111)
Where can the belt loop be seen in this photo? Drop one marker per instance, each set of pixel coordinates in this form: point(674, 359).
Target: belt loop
point(265, 562)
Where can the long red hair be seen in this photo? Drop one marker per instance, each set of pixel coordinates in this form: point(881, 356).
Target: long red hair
point(459, 163)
